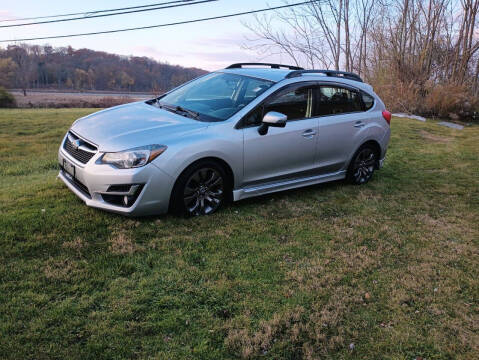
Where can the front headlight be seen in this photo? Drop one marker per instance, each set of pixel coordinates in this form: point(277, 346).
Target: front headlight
point(133, 158)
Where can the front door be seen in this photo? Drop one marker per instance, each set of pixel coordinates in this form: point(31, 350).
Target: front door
point(283, 153)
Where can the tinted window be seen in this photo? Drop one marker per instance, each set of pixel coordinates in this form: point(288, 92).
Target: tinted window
point(254, 118)
point(295, 103)
point(292, 103)
point(336, 100)
point(368, 101)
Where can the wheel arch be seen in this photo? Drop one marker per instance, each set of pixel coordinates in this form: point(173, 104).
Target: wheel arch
point(374, 144)
point(226, 167)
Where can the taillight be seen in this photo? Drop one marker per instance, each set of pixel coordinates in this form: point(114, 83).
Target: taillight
point(387, 116)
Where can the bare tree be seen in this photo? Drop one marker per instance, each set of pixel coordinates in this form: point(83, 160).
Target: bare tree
point(408, 47)
point(20, 55)
point(466, 44)
point(308, 35)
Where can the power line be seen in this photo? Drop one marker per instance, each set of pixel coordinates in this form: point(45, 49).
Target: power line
point(165, 25)
point(86, 13)
point(103, 15)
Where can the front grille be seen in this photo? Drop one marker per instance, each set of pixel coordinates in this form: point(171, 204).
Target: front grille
point(78, 148)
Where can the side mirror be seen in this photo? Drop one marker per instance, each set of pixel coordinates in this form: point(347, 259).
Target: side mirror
point(273, 119)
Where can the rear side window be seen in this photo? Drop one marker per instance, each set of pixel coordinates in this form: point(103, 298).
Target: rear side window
point(368, 101)
point(337, 100)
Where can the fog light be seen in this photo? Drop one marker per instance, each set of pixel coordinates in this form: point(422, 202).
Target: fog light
point(123, 195)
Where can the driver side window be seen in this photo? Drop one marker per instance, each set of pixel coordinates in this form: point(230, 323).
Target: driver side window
point(294, 102)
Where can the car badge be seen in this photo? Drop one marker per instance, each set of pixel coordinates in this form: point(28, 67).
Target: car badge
point(76, 144)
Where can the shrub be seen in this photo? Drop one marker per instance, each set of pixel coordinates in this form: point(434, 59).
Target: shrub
point(410, 92)
point(6, 99)
point(452, 101)
point(58, 100)
point(400, 97)
point(87, 102)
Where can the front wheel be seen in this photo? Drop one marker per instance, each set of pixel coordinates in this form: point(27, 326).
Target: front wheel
point(362, 165)
point(200, 190)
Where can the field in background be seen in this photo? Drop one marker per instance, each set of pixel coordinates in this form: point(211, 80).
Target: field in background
point(389, 270)
point(66, 99)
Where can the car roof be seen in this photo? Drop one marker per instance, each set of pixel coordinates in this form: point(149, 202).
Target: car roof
point(274, 75)
point(277, 75)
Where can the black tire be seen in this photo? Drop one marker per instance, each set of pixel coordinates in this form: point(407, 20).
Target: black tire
point(362, 165)
point(201, 189)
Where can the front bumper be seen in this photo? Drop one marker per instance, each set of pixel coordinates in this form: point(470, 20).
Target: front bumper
point(91, 180)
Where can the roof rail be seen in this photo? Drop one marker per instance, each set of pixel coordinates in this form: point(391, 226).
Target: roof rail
point(333, 73)
point(272, 66)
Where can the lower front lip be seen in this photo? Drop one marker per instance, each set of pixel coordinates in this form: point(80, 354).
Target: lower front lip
point(92, 181)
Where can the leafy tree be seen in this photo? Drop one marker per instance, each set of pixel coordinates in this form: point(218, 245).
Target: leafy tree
point(7, 71)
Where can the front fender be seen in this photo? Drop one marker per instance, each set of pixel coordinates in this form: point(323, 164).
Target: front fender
point(212, 142)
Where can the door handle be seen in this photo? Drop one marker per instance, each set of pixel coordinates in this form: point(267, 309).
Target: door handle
point(309, 133)
point(359, 124)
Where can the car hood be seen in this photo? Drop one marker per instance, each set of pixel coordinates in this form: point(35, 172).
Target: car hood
point(132, 125)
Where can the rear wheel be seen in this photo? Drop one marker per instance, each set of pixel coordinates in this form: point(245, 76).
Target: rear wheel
point(201, 189)
point(362, 165)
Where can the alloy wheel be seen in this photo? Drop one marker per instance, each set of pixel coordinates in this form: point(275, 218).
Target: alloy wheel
point(364, 165)
point(203, 192)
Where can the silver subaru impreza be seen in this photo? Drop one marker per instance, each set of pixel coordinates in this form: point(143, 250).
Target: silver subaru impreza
point(247, 130)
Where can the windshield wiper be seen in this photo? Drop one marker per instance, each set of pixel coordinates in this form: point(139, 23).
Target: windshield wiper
point(178, 109)
point(192, 113)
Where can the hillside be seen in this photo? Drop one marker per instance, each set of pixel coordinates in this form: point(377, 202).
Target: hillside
point(46, 67)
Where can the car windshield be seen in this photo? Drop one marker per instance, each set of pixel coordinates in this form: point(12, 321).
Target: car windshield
point(214, 97)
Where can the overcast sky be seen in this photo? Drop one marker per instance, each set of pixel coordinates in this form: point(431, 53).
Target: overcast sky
point(209, 45)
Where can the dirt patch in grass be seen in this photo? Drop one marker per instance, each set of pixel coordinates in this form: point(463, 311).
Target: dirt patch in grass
point(435, 138)
point(64, 269)
point(122, 244)
point(77, 244)
point(306, 334)
point(285, 327)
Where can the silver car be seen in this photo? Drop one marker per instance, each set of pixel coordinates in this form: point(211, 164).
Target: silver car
point(247, 130)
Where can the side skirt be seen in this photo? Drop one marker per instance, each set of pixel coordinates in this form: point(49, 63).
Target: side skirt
point(257, 190)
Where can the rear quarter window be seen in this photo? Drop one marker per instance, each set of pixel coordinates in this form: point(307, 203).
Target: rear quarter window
point(368, 101)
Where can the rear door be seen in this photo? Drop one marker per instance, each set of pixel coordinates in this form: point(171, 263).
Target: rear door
point(282, 153)
point(342, 122)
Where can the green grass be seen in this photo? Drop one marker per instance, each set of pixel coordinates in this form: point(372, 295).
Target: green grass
point(391, 267)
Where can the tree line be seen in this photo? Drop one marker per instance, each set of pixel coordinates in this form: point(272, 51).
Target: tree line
point(420, 55)
point(45, 67)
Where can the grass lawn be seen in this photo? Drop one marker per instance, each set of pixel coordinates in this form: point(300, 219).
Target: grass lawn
point(389, 270)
